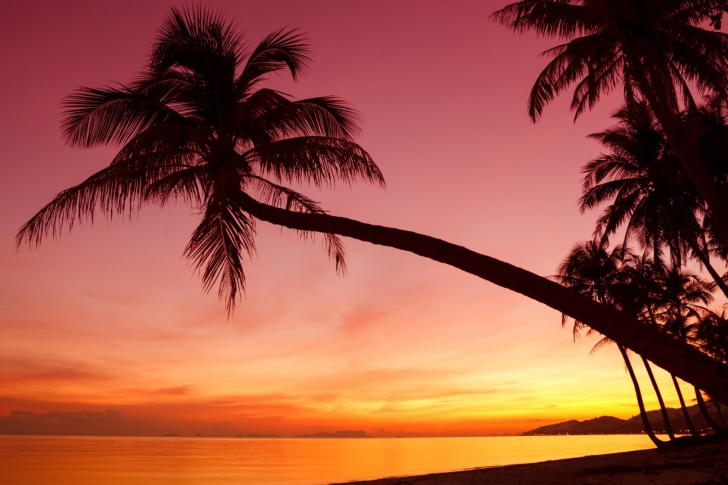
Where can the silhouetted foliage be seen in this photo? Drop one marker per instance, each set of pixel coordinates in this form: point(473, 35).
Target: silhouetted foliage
point(196, 125)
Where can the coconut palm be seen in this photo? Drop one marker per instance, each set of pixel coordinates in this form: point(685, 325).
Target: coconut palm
point(712, 118)
point(636, 293)
point(658, 205)
point(654, 49)
point(648, 192)
point(197, 126)
point(681, 301)
point(712, 336)
point(594, 271)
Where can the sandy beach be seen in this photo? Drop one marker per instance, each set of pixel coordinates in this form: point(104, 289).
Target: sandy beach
point(700, 465)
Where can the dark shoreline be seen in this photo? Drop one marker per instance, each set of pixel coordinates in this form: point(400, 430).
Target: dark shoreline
point(699, 465)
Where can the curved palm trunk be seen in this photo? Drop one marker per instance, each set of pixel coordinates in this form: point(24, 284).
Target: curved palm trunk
point(684, 144)
point(717, 429)
point(686, 362)
point(686, 414)
point(643, 414)
point(665, 417)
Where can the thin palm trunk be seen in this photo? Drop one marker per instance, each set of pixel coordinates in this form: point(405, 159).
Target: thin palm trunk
point(686, 414)
point(643, 413)
point(686, 362)
point(665, 417)
point(717, 429)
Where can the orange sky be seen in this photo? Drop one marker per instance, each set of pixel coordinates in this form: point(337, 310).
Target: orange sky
point(111, 317)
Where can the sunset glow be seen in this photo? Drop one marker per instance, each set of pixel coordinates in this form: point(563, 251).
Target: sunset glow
point(111, 317)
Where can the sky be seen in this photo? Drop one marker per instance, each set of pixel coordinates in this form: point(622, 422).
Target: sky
point(111, 317)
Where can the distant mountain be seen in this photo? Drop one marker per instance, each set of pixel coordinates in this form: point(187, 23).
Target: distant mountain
point(633, 425)
point(337, 434)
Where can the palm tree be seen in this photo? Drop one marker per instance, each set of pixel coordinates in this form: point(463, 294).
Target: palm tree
point(595, 272)
point(712, 336)
point(196, 126)
point(681, 298)
point(660, 207)
point(654, 49)
point(634, 293)
point(649, 193)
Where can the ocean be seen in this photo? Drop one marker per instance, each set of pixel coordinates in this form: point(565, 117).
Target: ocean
point(94, 460)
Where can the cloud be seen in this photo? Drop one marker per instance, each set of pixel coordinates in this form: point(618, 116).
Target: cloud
point(22, 370)
point(173, 391)
point(77, 423)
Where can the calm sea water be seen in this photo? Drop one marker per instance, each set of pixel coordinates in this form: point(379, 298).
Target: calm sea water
point(76, 460)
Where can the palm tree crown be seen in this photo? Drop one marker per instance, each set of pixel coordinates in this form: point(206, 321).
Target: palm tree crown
point(612, 42)
point(655, 49)
point(196, 125)
point(649, 192)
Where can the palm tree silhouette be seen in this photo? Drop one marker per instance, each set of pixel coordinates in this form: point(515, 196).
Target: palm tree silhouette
point(636, 293)
point(712, 336)
point(196, 126)
point(659, 206)
point(681, 299)
point(654, 49)
point(594, 271)
point(648, 192)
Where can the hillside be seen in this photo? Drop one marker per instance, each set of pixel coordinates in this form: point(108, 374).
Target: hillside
point(633, 425)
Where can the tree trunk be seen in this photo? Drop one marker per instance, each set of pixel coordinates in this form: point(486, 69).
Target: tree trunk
point(665, 417)
point(717, 429)
point(678, 358)
point(686, 414)
point(643, 413)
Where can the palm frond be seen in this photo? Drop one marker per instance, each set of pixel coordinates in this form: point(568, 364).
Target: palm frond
point(280, 50)
point(117, 189)
point(199, 39)
point(93, 117)
point(218, 243)
point(190, 184)
point(316, 160)
point(268, 115)
point(561, 18)
point(604, 342)
point(570, 63)
point(288, 199)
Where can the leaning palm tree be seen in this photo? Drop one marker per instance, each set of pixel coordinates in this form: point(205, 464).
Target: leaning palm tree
point(655, 49)
point(196, 125)
point(594, 271)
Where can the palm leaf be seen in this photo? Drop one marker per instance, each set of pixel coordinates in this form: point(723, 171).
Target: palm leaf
point(218, 243)
point(285, 198)
point(280, 50)
point(316, 160)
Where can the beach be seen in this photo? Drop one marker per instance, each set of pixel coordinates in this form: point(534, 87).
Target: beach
point(699, 465)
